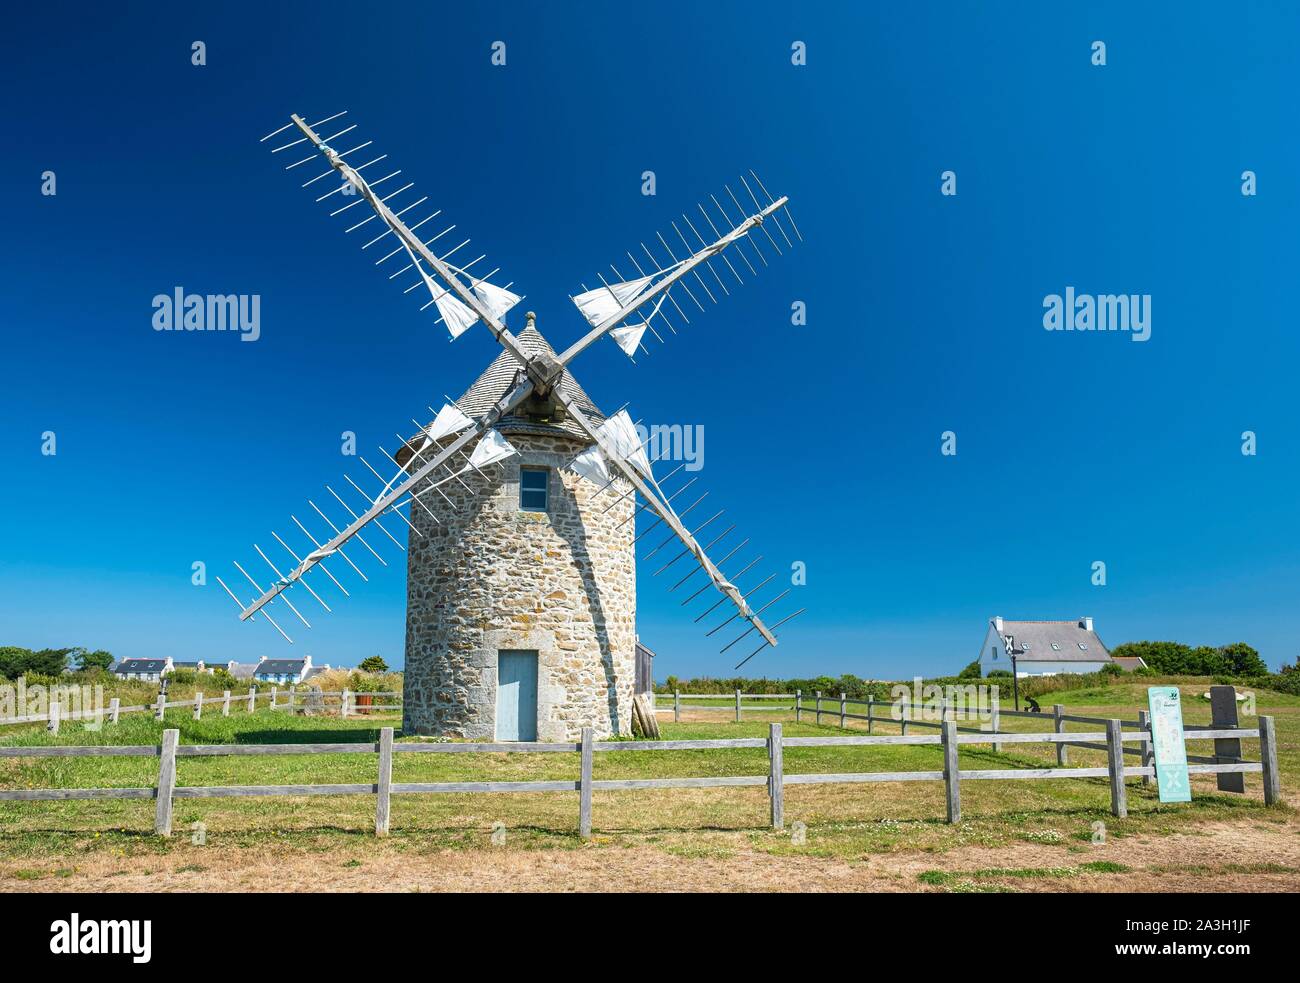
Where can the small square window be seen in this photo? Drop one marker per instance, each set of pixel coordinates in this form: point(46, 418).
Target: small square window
point(1055, 647)
point(1083, 646)
point(533, 485)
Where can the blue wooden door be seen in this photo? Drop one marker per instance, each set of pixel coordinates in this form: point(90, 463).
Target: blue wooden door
point(516, 696)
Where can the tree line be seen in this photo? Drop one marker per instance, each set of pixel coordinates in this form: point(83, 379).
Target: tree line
point(16, 661)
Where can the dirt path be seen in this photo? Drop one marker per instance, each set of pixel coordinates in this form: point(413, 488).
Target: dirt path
point(1240, 856)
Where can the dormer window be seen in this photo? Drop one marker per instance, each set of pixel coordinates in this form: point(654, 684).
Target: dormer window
point(533, 486)
point(1055, 647)
point(1083, 646)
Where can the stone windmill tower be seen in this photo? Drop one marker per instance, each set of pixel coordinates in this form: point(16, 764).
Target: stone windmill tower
point(521, 599)
point(521, 498)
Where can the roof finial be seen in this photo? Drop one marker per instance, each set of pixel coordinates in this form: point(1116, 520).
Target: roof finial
point(529, 318)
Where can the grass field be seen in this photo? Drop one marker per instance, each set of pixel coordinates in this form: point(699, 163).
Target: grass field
point(1035, 835)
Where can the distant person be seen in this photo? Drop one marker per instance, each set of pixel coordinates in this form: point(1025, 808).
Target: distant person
point(1033, 705)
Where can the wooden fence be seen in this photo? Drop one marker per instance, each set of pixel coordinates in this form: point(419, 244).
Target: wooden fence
point(294, 699)
point(949, 738)
point(827, 710)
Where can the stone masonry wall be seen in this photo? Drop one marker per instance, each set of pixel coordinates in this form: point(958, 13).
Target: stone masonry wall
point(493, 577)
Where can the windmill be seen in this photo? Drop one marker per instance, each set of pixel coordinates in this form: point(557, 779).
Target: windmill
point(520, 498)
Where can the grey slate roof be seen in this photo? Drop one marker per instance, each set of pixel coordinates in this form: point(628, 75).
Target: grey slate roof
point(278, 667)
point(243, 670)
point(184, 665)
point(140, 665)
point(1035, 638)
point(499, 377)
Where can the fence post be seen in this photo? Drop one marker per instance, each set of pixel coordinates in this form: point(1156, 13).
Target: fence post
point(819, 708)
point(52, 722)
point(798, 706)
point(1115, 765)
point(343, 703)
point(198, 704)
point(293, 689)
point(584, 787)
point(997, 725)
point(1268, 758)
point(1062, 755)
point(252, 699)
point(385, 785)
point(162, 706)
point(951, 775)
point(1148, 753)
point(225, 704)
point(162, 822)
point(114, 710)
point(871, 720)
point(775, 775)
point(274, 689)
point(843, 710)
point(677, 706)
point(737, 706)
point(906, 711)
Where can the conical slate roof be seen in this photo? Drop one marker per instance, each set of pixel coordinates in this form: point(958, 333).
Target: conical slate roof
point(499, 379)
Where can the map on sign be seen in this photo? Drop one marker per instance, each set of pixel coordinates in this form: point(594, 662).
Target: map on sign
point(1170, 750)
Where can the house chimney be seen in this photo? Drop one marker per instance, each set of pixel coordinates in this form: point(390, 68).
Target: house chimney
point(1085, 624)
point(997, 624)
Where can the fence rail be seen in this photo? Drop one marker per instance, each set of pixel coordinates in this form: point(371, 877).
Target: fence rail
point(296, 699)
point(167, 791)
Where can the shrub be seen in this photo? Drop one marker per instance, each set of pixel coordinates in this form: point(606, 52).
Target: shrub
point(222, 677)
point(972, 671)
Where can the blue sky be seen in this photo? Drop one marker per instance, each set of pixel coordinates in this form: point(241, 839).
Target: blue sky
point(823, 440)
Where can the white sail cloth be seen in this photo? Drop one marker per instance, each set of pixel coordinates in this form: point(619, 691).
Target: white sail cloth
point(620, 433)
point(449, 420)
point(497, 300)
point(597, 305)
point(458, 316)
point(628, 336)
point(492, 448)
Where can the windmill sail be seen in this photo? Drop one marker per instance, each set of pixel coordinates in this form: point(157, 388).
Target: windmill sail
point(607, 308)
point(395, 495)
point(459, 304)
point(666, 514)
point(618, 432)
point(454, 444)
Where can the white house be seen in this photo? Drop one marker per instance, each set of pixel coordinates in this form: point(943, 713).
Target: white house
point(286, 670)
point(147, 669)
point(1042, 648)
